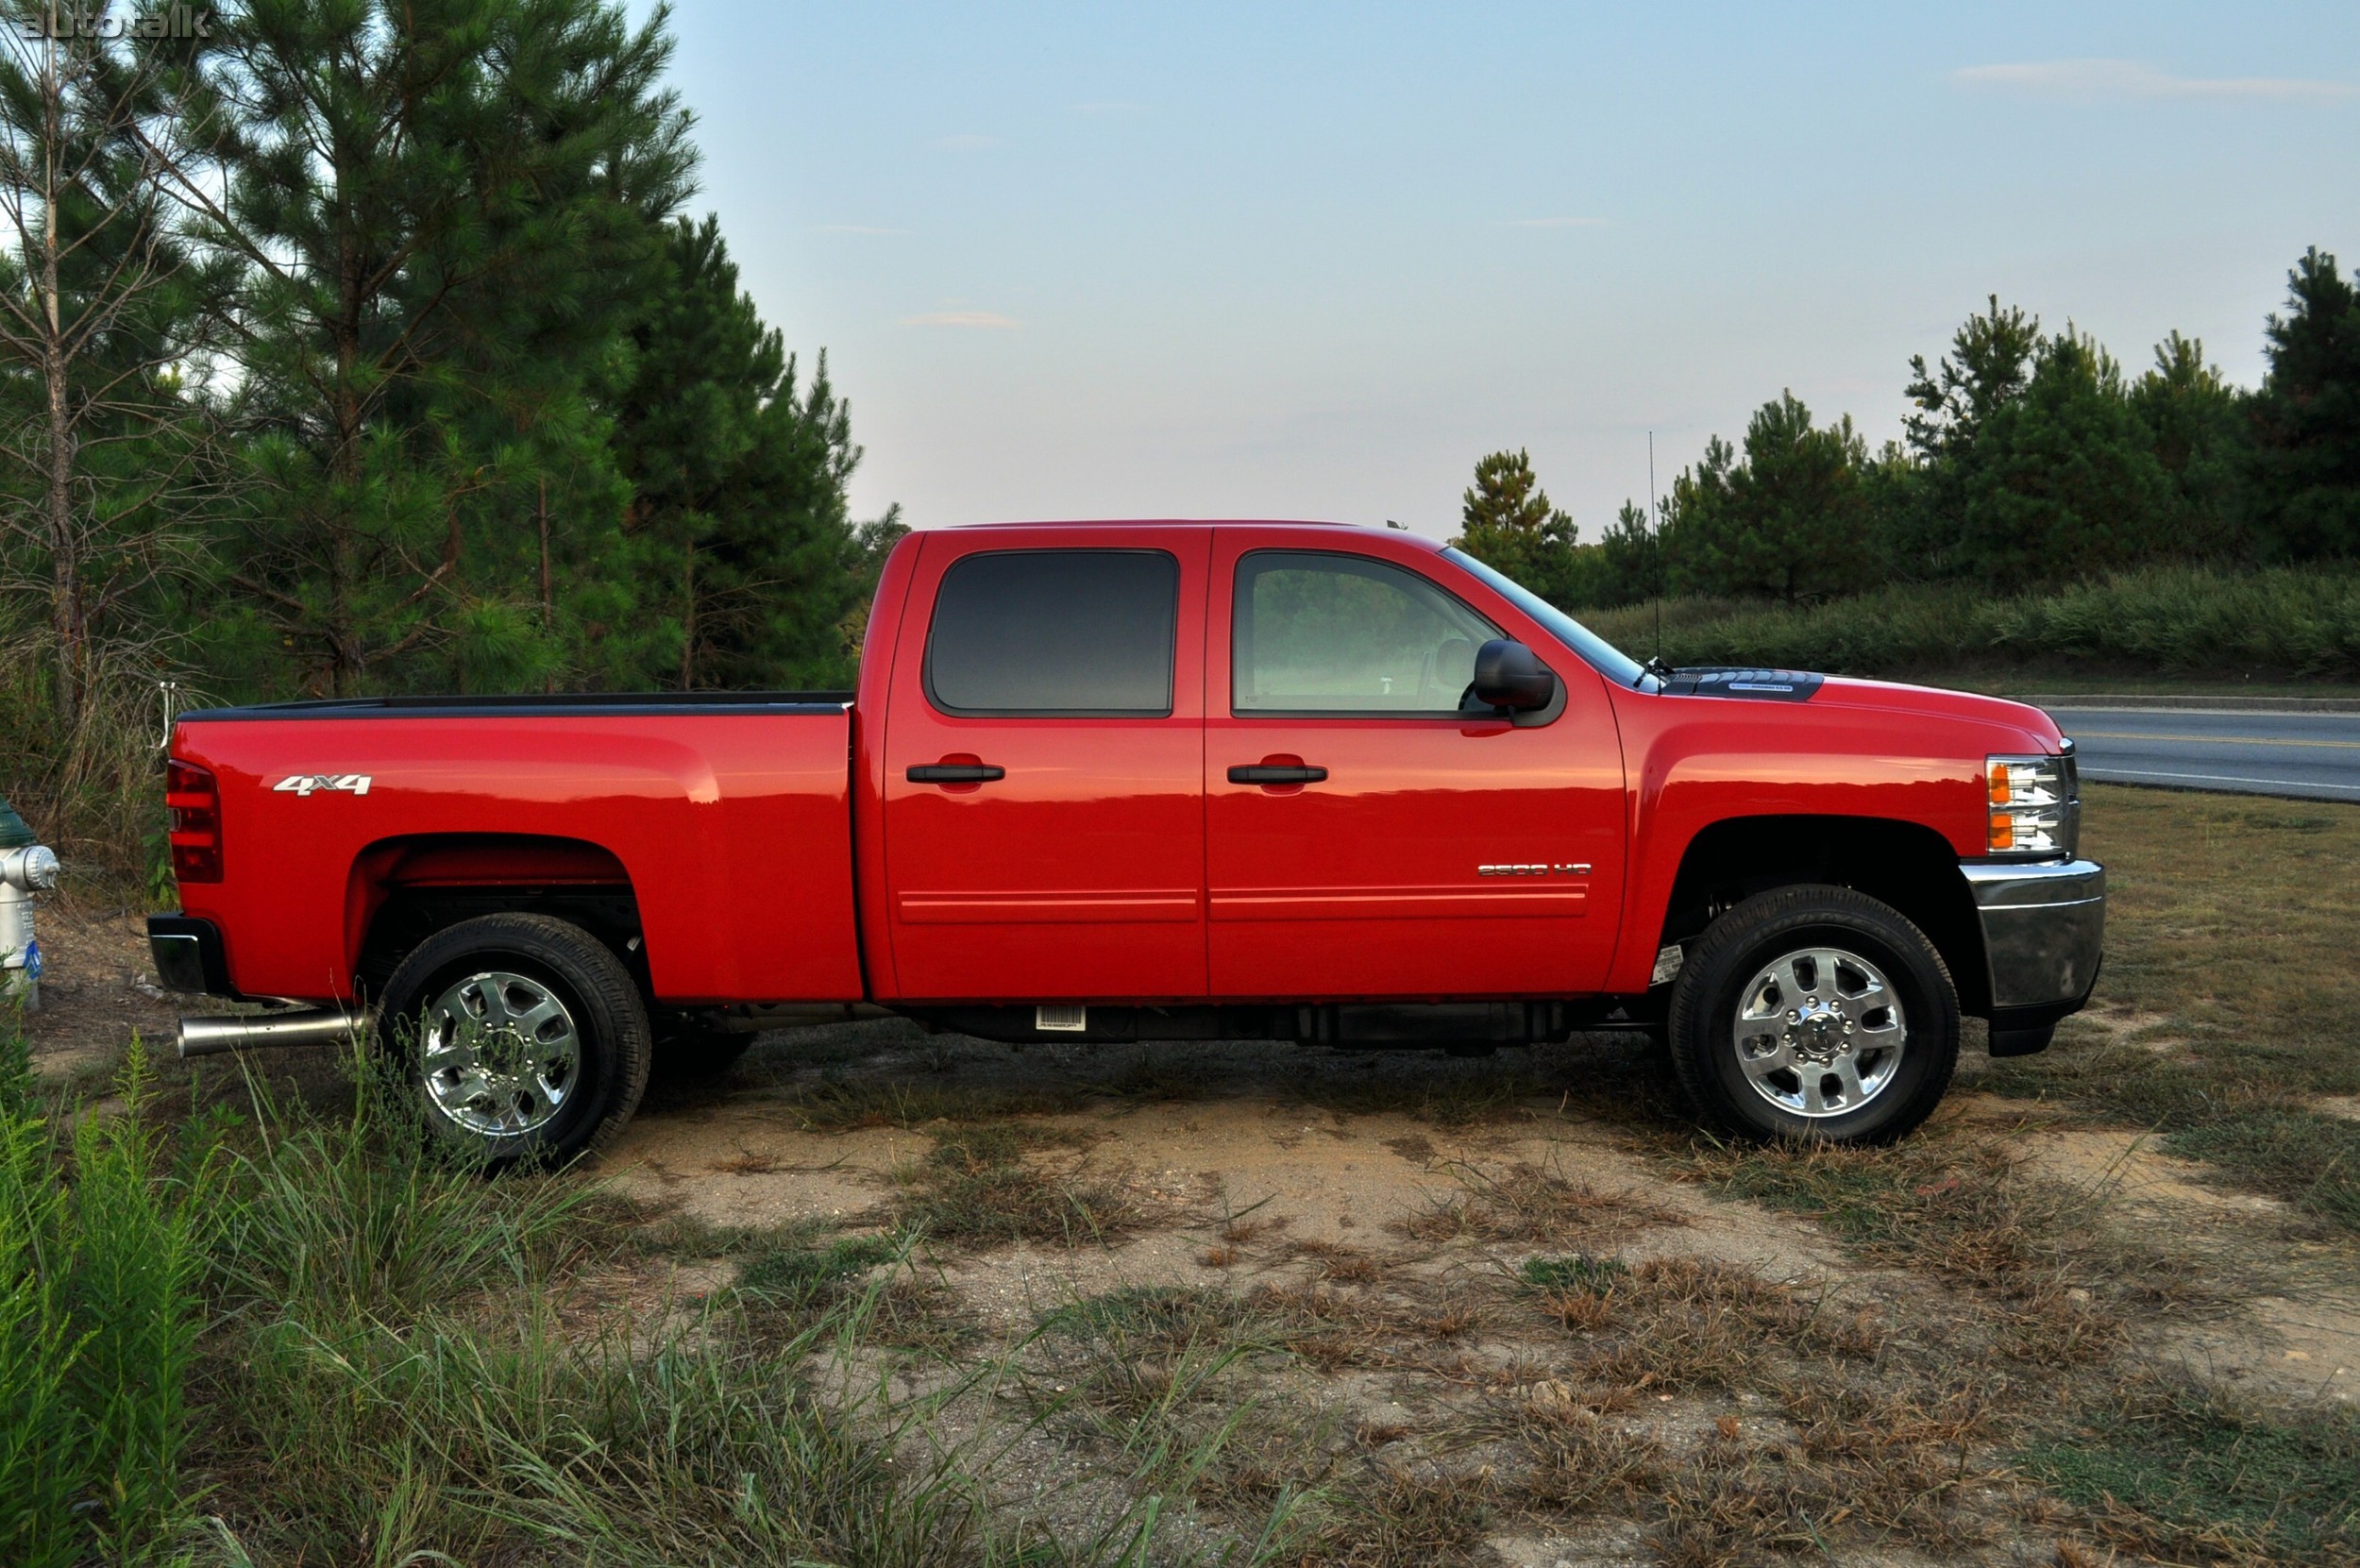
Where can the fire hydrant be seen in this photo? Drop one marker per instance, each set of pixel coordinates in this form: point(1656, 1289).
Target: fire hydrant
point(25, 868)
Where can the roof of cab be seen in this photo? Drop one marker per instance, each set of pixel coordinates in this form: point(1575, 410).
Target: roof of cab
point(1182, 522)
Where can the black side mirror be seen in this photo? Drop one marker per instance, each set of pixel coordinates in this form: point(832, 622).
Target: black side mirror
point(1509, 675)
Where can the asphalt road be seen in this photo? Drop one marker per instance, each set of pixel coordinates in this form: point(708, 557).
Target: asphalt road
point(2299, 755)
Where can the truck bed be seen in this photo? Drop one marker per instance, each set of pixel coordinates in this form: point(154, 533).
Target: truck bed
point(724, 817)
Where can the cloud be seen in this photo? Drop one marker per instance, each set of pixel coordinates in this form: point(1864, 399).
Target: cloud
point(2098, 80)
point(967, 142)
point(853, 228)
point(1555, 223)
point(989, 320)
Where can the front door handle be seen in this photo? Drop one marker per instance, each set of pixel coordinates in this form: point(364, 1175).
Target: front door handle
point(1276, 773)
point(956, 772)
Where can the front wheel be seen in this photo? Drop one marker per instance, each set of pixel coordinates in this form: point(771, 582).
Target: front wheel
point(1815, 1013)
point(523, 1038)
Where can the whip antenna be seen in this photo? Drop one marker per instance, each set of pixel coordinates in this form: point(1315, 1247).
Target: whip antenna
point(1655, 534)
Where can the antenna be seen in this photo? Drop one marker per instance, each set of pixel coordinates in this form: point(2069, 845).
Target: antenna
point(1654, 532)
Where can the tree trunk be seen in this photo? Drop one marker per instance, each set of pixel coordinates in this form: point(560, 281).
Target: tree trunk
point(65, 581)
point(688, 618)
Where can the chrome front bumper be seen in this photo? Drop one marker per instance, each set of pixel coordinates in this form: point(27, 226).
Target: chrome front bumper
point(2044, 929)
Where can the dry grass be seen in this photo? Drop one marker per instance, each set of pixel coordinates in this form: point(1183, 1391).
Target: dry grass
point(2230, 922)
point(1526, 1203)
point(1003, 1182)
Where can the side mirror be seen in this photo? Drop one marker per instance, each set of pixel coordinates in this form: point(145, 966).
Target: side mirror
point(1509, 675)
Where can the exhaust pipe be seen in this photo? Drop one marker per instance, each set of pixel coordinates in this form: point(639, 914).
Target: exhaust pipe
point(213, 1036)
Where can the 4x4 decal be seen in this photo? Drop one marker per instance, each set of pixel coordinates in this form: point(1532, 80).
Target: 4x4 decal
point(304, 783)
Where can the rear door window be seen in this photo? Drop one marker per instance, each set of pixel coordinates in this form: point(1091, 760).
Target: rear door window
point(1075, 634)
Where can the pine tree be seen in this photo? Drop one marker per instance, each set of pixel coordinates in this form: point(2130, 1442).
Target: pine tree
point(1506, 522)
point(2307, 418)
point(104, 320)
point(1989, 366)
point(445, 209)
point(1789, 521)
point(738, 508)
point(2197, 423)
point(2063, 479)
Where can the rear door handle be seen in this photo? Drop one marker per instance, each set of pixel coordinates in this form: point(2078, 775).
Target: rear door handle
point(956, 772)
point(1276, 773)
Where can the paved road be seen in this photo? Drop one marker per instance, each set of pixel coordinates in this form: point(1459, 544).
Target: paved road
point(2305, 756)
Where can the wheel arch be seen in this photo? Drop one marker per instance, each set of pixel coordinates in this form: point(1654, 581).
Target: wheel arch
point(402, 890)
point(1905, 865)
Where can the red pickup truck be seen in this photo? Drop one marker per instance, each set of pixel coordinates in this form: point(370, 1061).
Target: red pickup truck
point(1153, 781)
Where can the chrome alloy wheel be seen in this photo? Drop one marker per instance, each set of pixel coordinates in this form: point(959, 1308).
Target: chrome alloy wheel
point(1819, 1031)
point(498, 1053)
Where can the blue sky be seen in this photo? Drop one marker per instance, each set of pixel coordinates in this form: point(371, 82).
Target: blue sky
point(1313, 261)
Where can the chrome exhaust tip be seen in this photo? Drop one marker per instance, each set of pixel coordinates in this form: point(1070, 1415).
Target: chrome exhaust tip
point(213, 1036)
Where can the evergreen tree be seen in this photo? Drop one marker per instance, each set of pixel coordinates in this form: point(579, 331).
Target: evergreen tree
point(104, 320)
point(2307, 418)
point(2197, 423)
point(1507, 523)
point(1631, 559)
point(2063, 480)
point(738, 482)
point(446, 211)
point(1989, 366)
point(1789, 521)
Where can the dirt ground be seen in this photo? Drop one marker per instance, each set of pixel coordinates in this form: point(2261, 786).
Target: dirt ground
point(1393, 1221)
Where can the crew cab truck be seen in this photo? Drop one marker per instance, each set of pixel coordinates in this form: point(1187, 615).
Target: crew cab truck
point(1150, 781)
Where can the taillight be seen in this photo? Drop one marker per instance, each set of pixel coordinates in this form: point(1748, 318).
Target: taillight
point(196, 802)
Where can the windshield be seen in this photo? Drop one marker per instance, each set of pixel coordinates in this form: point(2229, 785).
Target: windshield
point(1595, 651)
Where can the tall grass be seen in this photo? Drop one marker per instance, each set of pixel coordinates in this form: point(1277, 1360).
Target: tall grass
point(100, 1262)
point(93, 790)
point(282, 1336)
point(2169, 619)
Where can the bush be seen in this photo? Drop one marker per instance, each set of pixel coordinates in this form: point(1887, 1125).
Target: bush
point(2174, 619)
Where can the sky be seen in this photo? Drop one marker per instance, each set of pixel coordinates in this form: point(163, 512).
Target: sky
point(1313, 261)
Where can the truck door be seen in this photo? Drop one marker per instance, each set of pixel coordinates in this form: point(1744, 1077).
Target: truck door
point(1044, 769)
point(1364, 836)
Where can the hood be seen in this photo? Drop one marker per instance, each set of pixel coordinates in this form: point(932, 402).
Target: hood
point(2035, 731)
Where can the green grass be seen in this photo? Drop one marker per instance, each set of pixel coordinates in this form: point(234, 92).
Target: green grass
point(980, 1185)
point(2229, 931)
point(2183, 1479)
point(1578, 1272)
point(101, 1255)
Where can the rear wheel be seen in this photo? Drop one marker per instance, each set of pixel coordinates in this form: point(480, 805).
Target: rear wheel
point(1815, 1013)
point(522, 1037)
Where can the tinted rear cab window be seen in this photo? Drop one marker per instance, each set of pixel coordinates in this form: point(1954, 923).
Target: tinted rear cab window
point(1079, 634)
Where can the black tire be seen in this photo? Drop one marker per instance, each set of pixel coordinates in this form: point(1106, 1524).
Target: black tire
point(1715, 981)
point(608, 1034)
point(695, 1052)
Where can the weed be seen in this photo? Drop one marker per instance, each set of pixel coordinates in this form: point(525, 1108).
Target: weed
point(2172, 1473)
point(2278, 892)
point(801, 1278)
point(1580, 1272)
point(1958, 1208)
point(99, 1314)
point(978, 1184)
point(1527, 1202)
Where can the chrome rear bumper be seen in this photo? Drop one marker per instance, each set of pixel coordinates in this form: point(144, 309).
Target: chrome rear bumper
point(2044, 929)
